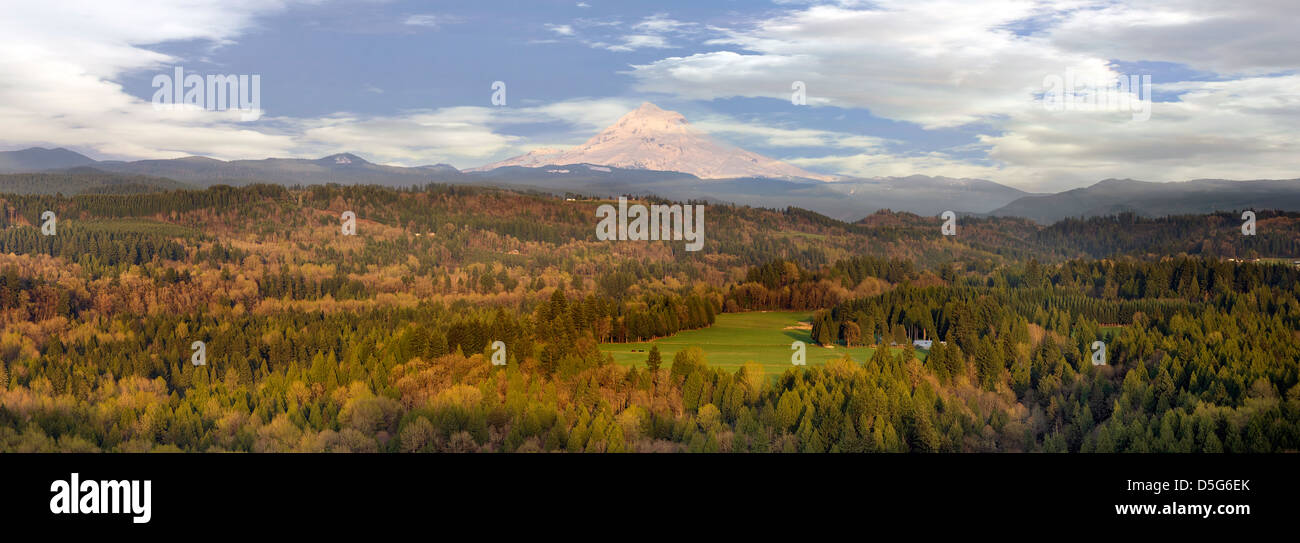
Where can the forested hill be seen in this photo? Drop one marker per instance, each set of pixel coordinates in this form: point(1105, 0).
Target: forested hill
point(742, 234)
point(380, 341)
point(85, 180)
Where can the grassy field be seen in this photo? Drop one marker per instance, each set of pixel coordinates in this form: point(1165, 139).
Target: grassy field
point(1109, 332)
point(140, 226)
point(735, 338)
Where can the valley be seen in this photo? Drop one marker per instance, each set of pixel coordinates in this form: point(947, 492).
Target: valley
point(382, 340)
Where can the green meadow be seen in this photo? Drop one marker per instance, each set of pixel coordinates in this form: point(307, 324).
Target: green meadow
point(1109, 332)
point(735, 338)
point(133, 226)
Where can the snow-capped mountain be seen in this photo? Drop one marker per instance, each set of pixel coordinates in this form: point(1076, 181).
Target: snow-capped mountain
point(650, 138)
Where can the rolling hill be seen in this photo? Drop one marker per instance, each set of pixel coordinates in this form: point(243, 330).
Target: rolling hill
point(1115, 196)
point(37, 159)
point(85, 180)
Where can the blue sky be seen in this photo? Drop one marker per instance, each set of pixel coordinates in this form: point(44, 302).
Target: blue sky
point(894, 87)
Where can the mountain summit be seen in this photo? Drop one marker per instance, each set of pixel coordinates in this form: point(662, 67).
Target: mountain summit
point(39, 158)
point(651, 138)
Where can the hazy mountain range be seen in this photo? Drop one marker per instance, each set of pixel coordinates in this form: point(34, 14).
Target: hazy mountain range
point(1114, 196)
point(651, 151)
point(38, 159)
point(847, 199)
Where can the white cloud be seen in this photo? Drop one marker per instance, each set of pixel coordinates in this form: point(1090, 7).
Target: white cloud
point(746, 133)
point(412, 138)
point(1242, 129)
point(424, 19)
point(653, 32)
point(58, 61)
point(640, 41)
point(563, 30)
point(943, 64)
point(585, 115)
point(882, 164)
point(937, 64)
point(661, 23)
point(1222, 37)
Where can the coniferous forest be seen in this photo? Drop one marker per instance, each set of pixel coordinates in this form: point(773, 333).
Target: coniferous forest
point(463, 319)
